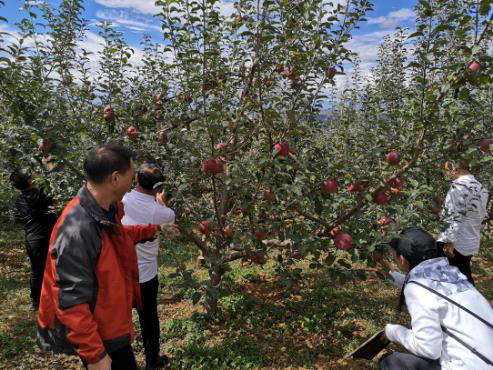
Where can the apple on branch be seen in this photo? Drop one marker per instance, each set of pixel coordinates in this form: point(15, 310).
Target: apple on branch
point(331, 72)
point(329, 186)
point(282, 148)
point(132, 133)
point(393, 158)
point(269, 196)
point(212, 165)
point(336, 230)
point(355, 187)
point(228, 231)
point(343, 241)
point(205, 227)
point(484, 144)
point(380, 198)
point(475, 67)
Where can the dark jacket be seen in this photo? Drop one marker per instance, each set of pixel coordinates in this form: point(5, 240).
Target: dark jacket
point(33, 209)
point(91, 281)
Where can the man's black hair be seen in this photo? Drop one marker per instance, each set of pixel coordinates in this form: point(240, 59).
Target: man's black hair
point(416, 246)
point(20, 179)
point(149, 176)
point(106, 159)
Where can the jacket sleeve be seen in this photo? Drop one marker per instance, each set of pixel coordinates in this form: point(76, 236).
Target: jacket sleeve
point(141, 233)
point(76, 257)
point(452, 215)
point(424, 339)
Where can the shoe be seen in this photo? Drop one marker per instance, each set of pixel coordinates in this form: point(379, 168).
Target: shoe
point(161, 363)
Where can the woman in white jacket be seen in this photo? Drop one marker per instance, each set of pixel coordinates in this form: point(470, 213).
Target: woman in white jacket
point(442, 335)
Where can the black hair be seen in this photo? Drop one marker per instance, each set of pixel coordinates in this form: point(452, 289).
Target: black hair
point(106, 159)
point(20, 179)
point(149, 176)
point(416, 246)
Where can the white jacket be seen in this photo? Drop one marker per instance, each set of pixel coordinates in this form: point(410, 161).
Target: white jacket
point(428, 312)
point(463, 212)
point(142, 209)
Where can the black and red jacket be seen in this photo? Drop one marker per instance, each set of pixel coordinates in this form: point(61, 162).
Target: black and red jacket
point(91, 280)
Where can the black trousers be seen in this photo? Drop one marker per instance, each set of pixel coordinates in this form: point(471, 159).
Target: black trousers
point(122, 359)
point(37, 250)
point(463, 263)
point(407, 361)
point(149, 321)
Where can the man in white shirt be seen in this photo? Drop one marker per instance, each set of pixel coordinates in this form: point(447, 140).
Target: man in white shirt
point(463, 211)
point(442, 335)
point(142, 208)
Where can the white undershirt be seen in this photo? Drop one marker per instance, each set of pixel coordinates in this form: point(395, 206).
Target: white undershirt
point(142, 209)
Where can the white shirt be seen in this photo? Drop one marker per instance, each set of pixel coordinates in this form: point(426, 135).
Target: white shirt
point(463, 212)
point(428, 312)
point(142, 209)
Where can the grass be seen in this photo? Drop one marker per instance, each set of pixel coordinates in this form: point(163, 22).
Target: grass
point(261, 323)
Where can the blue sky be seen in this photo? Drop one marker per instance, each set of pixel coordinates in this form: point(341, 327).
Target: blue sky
point(135, 17)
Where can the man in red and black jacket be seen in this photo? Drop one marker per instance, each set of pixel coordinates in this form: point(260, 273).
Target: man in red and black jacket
point(91, 278)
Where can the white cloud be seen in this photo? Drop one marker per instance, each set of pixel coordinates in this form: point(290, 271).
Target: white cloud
point(141, 6)
point(122, 19)
point(393, 19)
point(226, 8)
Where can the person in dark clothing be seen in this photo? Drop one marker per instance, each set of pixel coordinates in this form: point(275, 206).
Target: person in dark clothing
point(33, 209)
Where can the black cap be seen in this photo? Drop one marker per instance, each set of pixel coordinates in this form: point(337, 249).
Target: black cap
point(415, 245)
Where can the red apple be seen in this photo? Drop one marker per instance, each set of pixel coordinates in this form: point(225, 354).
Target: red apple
point(228, 230)
point(384, 221)
point(45, 146)
point(108, 114)
point(205, 227)
point(269, 196)
point(435, 210)
point(212, 165)
point(355, 187)
point(380, 198)
point(336, 230)
point(343, 241)
point(220, 146)
point(475, 66)
point(329, 186)
point(484, 144)
point(260, 235)
point(282, 148)
point(331, 72)
point(397, 183)
point(288, 72)
point(296, 254)
point(393, 158)
point(132, 133)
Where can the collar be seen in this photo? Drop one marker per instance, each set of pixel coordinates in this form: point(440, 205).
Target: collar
point(464, 177)
point(94, 210)
point(142, 195)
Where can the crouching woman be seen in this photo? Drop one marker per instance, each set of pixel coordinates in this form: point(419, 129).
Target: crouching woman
point(451, 322)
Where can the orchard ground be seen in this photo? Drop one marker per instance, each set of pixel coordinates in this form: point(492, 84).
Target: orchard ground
point(260, 325)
